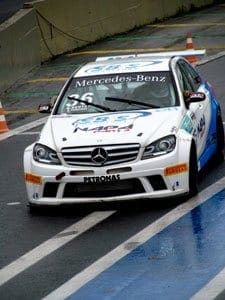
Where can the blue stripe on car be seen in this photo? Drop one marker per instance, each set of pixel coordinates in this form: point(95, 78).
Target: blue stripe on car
point(211, 143)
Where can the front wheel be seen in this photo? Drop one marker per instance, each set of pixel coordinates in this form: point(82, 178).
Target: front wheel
point(193, 173)
point(33, 209)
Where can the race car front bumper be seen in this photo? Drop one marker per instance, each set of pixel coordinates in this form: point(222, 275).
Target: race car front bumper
point(160, 177)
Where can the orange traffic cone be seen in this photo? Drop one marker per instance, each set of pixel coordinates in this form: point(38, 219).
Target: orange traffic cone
point(190, 46)
point(3, 124)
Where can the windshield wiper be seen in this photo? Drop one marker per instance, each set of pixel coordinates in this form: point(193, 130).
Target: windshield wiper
point(90, 103)
point(131, 102)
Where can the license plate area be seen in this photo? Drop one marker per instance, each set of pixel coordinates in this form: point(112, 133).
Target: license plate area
point(107, 189)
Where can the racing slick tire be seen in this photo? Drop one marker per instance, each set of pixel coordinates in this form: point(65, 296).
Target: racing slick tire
point(193, 172)
point(33, 209)
point(219, 155)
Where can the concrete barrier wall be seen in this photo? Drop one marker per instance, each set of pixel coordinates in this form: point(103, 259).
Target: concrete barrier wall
point(68, 24)
point(19, 47)
point(51, 27)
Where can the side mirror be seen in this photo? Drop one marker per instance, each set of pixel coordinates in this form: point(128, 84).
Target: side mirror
point(197, 97)
point(45, 108)
point(193, 97)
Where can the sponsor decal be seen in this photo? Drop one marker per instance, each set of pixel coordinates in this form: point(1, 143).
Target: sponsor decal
point(44, 108)
point(31, 178)
point(176, 169)
point(187, 124)
point(101, 179)
point(175, 185)
point(123, 78)
point(211, 140)
point(121, 67)
point(112, 122)
point(197, 95)
point(110, 128)
point(200, 130)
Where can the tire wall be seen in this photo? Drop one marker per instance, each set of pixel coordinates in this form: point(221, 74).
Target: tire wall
point(47, 28)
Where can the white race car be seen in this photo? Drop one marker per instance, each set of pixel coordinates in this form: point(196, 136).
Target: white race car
point(122, 128)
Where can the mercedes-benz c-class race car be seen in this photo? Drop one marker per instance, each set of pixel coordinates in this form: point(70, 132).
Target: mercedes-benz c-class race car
point(122, 128)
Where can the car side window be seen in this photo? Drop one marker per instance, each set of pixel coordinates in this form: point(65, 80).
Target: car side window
point(191, 75)
point(185, 85)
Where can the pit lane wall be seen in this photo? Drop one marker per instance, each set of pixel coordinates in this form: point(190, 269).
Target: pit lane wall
point(46, 28)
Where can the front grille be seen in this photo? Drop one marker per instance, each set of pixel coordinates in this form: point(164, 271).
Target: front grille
point(106, 189)
point(113, 154)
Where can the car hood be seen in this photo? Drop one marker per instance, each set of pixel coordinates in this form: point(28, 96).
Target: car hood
point(110, 128)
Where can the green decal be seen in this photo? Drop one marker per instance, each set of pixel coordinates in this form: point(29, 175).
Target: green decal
point(187, 124)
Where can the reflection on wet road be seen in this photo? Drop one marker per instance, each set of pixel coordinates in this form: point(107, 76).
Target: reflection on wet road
point(173, 261)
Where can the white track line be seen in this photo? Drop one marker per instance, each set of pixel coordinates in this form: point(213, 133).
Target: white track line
point(29, 133)
point(212, 289)
point(23, 128)
point(57, 241)
point(119, 252)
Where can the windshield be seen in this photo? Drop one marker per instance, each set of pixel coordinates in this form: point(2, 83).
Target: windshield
point(146, 89)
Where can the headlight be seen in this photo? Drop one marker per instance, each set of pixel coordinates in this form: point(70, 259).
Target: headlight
point(160, 147)
point(45, 155)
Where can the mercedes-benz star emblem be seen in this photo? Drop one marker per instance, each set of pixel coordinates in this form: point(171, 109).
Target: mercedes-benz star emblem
point(99, 156)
